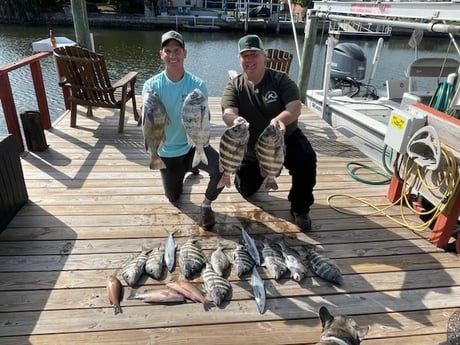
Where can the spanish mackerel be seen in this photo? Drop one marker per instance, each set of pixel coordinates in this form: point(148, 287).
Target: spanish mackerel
point(251, 246)
point(258, 288)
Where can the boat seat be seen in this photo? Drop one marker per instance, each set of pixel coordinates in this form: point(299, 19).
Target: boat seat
point(85, 74)
point(277, 59)
point(431, 67)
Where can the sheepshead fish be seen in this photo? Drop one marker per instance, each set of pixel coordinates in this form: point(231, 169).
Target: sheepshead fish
point(157, 296)
point(191, 292)
point(258, 288)
point(170, 251)
point(134, 268)
point(196, 119)
point(270, 152)
point(219, 260)
point(242, 261)
point(115, 293)
point(251, 246)
point(293, 262)
point(154, 120)
point(155, 262)
point(191, 259)
point(273, 261)
point(323, 266)
point(232, 148)
point(217, 287)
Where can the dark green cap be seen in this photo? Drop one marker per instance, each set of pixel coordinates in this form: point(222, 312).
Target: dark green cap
point(250, 42)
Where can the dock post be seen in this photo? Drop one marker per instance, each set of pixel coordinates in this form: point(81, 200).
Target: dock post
point(307, 54)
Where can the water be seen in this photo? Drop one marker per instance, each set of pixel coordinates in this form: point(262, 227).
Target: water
point(210, 56)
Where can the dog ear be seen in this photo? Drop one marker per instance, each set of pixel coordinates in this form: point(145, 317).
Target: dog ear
point(362, 332)
point(325, 316)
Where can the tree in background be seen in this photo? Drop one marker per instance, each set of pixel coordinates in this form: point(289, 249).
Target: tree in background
point(29, 8)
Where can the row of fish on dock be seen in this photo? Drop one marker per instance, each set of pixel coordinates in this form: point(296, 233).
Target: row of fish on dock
point(245, 259)
point(195, 116)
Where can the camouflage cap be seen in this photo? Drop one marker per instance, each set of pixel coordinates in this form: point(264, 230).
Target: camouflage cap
point(250, 42)
point(172, 35)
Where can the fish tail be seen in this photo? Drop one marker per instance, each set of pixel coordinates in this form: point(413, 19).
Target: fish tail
point(133, 294)
point(117, 310)
point(200, 156)
point(271, 184)
point(157, 163)
point(224, 182)
point(207, 305)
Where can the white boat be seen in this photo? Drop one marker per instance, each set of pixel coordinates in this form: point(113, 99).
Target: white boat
point(358, 109)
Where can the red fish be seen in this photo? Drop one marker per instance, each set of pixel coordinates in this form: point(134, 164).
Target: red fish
point(190, 291)
point(157, 296)
point(115, 293)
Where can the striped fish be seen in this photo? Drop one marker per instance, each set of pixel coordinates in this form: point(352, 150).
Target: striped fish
point(270, 152)
point(258, 288)
point(133, 269)
point(293, 262)
point(273, 261)
point(219, 260)
point(191, 259)
point(217, 287)
point(323, 266)
point(242, 261)
point(170, 251)
point(251, 246)
point(196, 119)
point(232, 148)
point(154, 120)
point(155, 262)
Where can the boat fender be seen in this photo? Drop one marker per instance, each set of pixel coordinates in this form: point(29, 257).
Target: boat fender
point(424, 147)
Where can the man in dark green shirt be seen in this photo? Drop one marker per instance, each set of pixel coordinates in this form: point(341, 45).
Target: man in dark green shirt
point(262, 96)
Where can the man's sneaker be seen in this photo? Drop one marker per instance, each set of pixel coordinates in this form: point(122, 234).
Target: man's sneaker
point(303, 221)
point(207, 219)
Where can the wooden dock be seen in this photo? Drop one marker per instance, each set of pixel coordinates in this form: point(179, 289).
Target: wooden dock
point(93, 203)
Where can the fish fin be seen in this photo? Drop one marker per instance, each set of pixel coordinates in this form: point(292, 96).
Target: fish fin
point(199, 156)
point(132, 295)
point(224, 182)
point(271, 184)
point(117, 310)
point(207, 305)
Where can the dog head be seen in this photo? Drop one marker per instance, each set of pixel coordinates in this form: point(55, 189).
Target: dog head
point(340, 330)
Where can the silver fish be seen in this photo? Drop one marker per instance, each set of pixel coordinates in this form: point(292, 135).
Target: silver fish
point(258, 288)
point(270, 152)
point(157, 296)
point(155, 262)
point(219, 260)
point(196, 119)
point(242, 261)
point(170, 251)
point(251, 246)
point(154, 120)
point(323, 266)
point(191, 259)
point(273, 261)
point(134, 268)
point(293, 262)
point(217, 287)
point(232, 148)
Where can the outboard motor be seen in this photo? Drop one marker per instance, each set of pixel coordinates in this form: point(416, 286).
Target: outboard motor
point(348, 65)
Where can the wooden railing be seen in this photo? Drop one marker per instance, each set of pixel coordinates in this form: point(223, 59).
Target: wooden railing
point(7, 99)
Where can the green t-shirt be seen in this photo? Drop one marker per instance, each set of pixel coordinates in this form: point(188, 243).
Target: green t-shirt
point(260, 103)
